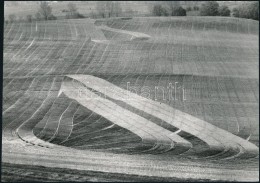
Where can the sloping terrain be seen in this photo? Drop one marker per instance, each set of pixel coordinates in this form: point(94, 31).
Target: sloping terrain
point(207, 123)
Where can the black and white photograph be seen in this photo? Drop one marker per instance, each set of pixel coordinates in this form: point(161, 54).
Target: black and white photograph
point(130, 91)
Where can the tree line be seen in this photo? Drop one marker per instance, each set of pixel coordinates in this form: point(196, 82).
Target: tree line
point(248, 10)
point(107, 9)
point(168, 8)
point(104, 9)
point(45, 13)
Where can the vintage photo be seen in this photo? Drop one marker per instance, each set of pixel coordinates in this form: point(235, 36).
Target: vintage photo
point(142, 91)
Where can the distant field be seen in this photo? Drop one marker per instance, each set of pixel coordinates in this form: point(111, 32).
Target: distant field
point(88, 7)
point(214, 59)
point(84, 7)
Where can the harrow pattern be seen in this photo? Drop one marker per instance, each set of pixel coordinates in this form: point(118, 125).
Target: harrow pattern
point(214, 60)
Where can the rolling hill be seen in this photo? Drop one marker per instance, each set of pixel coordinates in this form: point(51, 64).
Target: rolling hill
point(192, 86)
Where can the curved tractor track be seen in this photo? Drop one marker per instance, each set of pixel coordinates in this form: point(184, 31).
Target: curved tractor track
point(67, 101)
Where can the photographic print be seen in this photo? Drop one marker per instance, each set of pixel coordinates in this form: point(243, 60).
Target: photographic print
point(142, 91)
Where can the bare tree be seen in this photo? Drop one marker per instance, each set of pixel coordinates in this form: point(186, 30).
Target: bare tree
point(101, 8)
point(172, 5)
point(21, 18)
point(108, 8)
point(117, 9)
point(73, 11)
point(92, 14)
point(12, 18)
point(29, 18)
point(37, 16)
point(45, 10)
